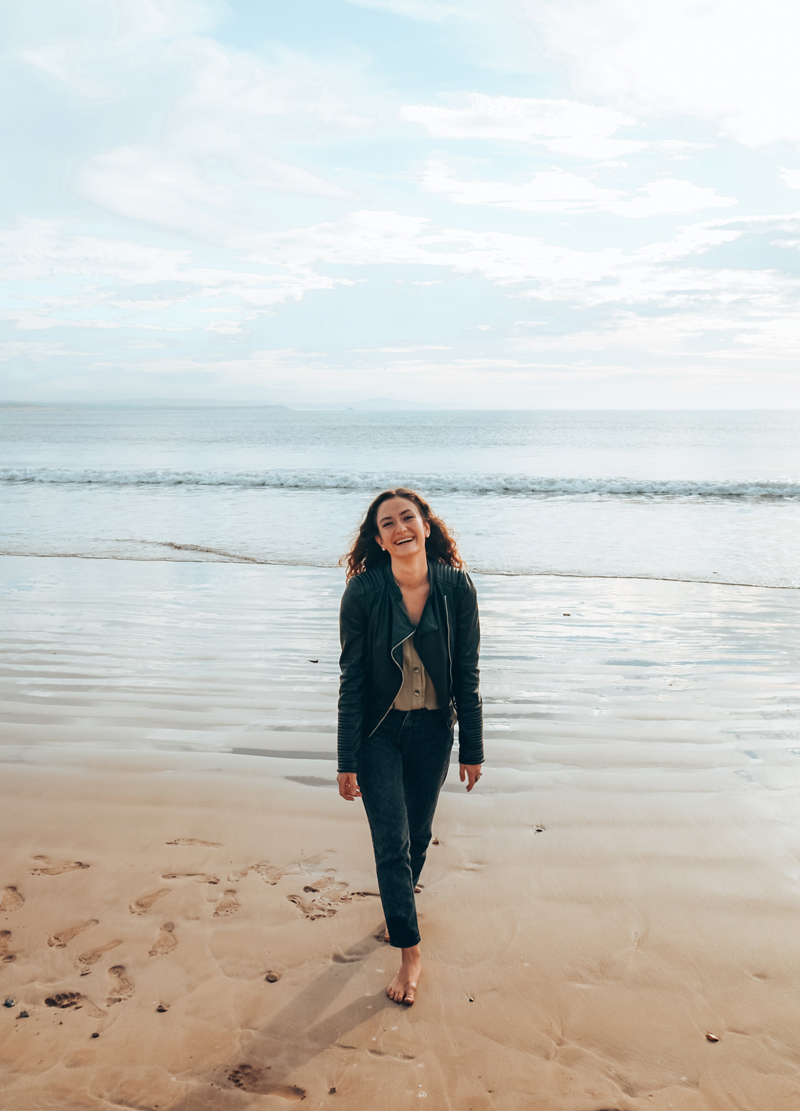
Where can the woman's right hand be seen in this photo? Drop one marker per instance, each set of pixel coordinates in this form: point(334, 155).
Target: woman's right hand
point(348, 786)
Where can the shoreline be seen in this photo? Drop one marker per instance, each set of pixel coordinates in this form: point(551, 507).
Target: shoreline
point(252, 561)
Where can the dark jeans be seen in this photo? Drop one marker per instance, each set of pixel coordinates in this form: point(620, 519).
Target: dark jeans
point(401, 769)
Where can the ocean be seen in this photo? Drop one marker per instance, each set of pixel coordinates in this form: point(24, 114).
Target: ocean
point(705, 496)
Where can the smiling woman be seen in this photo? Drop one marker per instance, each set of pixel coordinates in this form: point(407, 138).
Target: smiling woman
point(409, 670)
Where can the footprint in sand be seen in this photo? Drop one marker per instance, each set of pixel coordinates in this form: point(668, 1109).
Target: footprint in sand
point(194, 841)
point(145, 902)
point(312, 863)
point(268, 872)
point(237, 875)
point(328, 884)
point(67, 1000)
point(250, 1079)
point(6, 956)
point(354, 954)
point(165, 942)
point(271, 874)
point(227, 905)
point(49, 867)
point(63, 937)
point(121, 986)
point(318, 908)
point(326, 892)
point(84, 962)
point(198, 877)
point(11, 899)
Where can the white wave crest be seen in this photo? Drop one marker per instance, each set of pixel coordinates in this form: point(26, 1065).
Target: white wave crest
point(475, 484)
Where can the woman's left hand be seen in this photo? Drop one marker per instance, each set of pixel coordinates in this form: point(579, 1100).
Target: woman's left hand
point(469, 772)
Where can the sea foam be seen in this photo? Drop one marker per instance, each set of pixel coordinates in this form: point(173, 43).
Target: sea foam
point(373, 481)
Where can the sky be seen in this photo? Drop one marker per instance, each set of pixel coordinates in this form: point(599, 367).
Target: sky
point(455, 203)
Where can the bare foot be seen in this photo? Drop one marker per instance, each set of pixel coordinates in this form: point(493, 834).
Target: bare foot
point(403, 988)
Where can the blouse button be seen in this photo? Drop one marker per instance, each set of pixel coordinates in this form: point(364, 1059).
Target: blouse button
point(416, 694)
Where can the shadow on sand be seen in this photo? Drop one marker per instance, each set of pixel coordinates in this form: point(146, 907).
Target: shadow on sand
point(297, 1034)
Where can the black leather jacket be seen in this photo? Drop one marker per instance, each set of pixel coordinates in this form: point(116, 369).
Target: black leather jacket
point(373, 624)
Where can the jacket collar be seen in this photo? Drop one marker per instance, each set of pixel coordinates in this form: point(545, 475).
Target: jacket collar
point(401, 622)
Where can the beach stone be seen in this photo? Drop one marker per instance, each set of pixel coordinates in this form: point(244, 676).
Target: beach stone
point(95, 1035)
point(162, 1010)
point(23, 1014)
point(8, 1003)
point(272, 977)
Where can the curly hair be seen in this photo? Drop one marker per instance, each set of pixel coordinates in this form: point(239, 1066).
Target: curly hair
point(440, 546)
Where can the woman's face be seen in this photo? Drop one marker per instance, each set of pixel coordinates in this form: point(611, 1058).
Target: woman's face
point(401, 529)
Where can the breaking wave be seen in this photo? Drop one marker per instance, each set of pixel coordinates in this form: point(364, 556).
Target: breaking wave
point(373, 481)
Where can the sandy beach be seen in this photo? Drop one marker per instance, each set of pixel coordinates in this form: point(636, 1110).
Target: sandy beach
point(189, 917)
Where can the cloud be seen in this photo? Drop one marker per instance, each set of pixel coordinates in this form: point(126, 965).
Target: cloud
point(36, 352)
point(162, 19)
point(168, 184)
point(211, 190)
point(664, 276)
point(96, 284)
point(569, 127)
point(278, 367)
point(431, 11)
point(410, 349)
point(733, 64)
point(360, 238)
point(64, 61)
point(123, 282)
point(517, 119)
point(205, 175)
point(561, 191)
point(62, 37)
point(206, 134)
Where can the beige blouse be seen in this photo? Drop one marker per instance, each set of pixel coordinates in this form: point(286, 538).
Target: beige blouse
point(417, 691)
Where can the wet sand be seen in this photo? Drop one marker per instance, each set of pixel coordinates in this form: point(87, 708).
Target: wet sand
point(180, 877)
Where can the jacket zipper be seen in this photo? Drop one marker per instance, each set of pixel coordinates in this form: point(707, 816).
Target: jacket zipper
point(449, 657)
point(410, 635)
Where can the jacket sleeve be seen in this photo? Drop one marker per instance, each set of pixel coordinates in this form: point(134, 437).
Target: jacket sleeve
point(352, 636)
point(466, 676)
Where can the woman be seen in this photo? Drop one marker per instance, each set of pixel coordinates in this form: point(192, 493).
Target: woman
point(410, 636)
